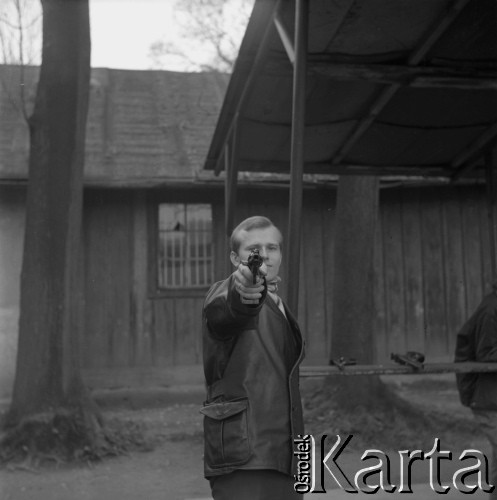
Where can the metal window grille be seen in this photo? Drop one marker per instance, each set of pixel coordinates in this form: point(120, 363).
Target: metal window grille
point(185, 246)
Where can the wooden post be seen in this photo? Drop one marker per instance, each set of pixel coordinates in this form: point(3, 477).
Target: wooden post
point(297, 154)
point(353, 313)
point(353, 305)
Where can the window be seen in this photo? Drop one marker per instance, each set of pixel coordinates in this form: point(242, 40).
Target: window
point(185, 246)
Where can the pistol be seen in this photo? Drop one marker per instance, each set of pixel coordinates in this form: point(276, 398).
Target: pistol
point(254, 262)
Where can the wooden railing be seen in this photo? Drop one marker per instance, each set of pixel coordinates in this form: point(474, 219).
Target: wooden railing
point(395, 369)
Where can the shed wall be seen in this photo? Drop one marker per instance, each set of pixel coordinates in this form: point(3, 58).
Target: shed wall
point(432, 266)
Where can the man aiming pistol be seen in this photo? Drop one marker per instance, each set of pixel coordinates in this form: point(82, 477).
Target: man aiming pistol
point(252, 348)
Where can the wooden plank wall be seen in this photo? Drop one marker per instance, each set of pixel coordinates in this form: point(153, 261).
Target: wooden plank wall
point(108, 280)
point(125, 324)
point(435, 267)
point(432, 266)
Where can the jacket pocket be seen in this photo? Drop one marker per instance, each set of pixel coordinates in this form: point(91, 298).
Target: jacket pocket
point(226, 433)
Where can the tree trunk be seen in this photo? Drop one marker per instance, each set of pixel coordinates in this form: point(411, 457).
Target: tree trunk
point(353, 306)
point(47, 373)
point(361, 405)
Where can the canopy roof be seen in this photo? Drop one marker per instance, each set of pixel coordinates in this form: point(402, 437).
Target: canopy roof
point(392, 87)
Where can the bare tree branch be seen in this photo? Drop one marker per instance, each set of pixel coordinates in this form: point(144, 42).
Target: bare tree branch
point(20, 34)
point(22, 79)
point(20, 31)
point(209, 28)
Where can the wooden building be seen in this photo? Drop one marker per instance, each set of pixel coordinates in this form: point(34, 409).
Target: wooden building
point(154, 236)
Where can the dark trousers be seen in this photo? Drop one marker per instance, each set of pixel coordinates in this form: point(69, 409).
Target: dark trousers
point(254, 485)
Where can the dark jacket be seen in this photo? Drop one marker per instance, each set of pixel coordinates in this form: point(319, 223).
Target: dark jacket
point(477, 341)
point(253, 409)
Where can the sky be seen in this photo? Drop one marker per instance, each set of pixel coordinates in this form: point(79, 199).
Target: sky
point(123, 30)
point(122, 33)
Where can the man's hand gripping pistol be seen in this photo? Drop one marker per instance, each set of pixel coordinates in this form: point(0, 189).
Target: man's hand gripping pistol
point(251, 291)
point(254, 263)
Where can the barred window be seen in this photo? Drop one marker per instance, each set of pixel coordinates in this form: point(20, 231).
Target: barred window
point(185, 246)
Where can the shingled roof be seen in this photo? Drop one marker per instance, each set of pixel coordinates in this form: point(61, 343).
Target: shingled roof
point(144, 127)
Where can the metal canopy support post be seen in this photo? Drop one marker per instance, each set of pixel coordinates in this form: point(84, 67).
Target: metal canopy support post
point(491, 174)
point(231, 180)
point(297, 153)
point(227, 173)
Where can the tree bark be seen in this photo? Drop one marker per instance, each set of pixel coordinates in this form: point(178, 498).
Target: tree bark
point(47, 371)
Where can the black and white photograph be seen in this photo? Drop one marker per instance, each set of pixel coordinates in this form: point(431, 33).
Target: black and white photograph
point(248, 249)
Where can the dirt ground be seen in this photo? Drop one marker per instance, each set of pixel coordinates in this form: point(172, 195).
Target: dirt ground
point(172, 470)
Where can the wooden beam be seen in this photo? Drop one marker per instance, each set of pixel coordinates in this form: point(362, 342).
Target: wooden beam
point(381, 101)
point(297, 153)
point(346, 14)
point(327, 167)
point(285, 37)
point(327, 66)
point(441, 25)
point(392, 369)
point(411, 76)
point(465, 170)
point(386, 95)
point(460, 163)
point(259, 59)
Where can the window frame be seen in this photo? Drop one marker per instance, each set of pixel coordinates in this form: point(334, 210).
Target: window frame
point(154, 291)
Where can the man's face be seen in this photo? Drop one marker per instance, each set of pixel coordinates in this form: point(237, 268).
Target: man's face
point(267, 241)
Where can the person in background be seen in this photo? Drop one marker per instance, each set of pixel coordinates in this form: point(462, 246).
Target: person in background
point(477, 341)
point(252, 348)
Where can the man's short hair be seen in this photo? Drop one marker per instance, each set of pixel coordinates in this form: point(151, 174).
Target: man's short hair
point(255, 222)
